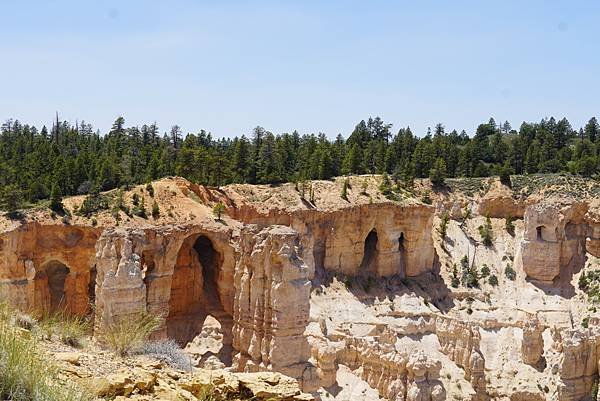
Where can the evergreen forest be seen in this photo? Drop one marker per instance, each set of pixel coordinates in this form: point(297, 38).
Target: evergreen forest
point(41, 163)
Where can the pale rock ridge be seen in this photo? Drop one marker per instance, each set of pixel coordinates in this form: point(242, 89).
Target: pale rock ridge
point(554, 239)
point(459, 340)
point(397, 374)
point(335, 240)
point(578, 366)
point(271, 307)
point(120, 289)
point(532, 346)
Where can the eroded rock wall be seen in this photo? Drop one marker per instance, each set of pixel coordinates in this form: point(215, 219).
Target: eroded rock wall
point(261, 295)
point(578, 365)
point(554, 240)
point(135, 269)
point(26, 254)
point(460, 342)
point(271, 307)
point(336, 240)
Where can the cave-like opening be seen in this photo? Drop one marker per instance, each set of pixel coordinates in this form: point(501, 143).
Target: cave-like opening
point(50, 287)
point(402, 254)
point(370, 253)
point(195, 294)
point(539, 233)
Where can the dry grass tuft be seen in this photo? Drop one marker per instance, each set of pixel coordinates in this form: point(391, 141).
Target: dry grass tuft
point(68, 328)
point(129, 334)
point(26, 374)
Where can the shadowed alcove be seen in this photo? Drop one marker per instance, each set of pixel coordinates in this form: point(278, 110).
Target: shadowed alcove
point(50, 287)
point(367, 265)
point(402, 251)
point(195, 293)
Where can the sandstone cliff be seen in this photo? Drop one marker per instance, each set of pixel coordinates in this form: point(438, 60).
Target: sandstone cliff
point(354, 298)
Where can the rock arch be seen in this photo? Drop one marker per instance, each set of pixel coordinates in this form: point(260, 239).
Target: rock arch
point(196, 292)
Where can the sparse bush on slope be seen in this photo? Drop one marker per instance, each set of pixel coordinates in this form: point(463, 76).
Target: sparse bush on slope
point(167, 351)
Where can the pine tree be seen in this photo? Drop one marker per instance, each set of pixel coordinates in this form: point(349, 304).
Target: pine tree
point(11, 198)
point(443, 228)
point(345, 187)
point(56, 198)
point(592, 130)
point(386, 185)
point(437, 174)
point(155, 210)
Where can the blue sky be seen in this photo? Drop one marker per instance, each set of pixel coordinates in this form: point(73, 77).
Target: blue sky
point(314, 66)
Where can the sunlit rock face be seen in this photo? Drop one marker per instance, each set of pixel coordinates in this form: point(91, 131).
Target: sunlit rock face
point(556, 239)
point(338, 293)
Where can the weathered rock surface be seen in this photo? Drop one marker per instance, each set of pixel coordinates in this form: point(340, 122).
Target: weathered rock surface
point(460, 341)
point(271, 307)
point(46, 267)
point(312, 288)
point(554, 240)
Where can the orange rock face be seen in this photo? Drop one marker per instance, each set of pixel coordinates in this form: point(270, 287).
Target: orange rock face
point(46, 267)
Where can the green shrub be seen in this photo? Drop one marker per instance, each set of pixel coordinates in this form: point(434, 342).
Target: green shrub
point(218, 210)
point(364, 186)
point(589, 282)
point(386, 185)
point(68, 328)
point(486, 232)
point(493, 280)
point(140, 208)
point(582, 283)
point(150, 189)
point(485, 270)
point(510, 273)
point(469, 273)
point(167, 351)
point(92, 204)
point(510, 226)
point(443, 228)
point(426, 198)
point(155, 210)
point(466, 215)
point(455, 281)
point(345, 188)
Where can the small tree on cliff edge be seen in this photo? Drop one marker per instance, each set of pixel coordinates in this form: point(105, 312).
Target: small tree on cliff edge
point(437, 174)
point(56, 199)
point(218, 210)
